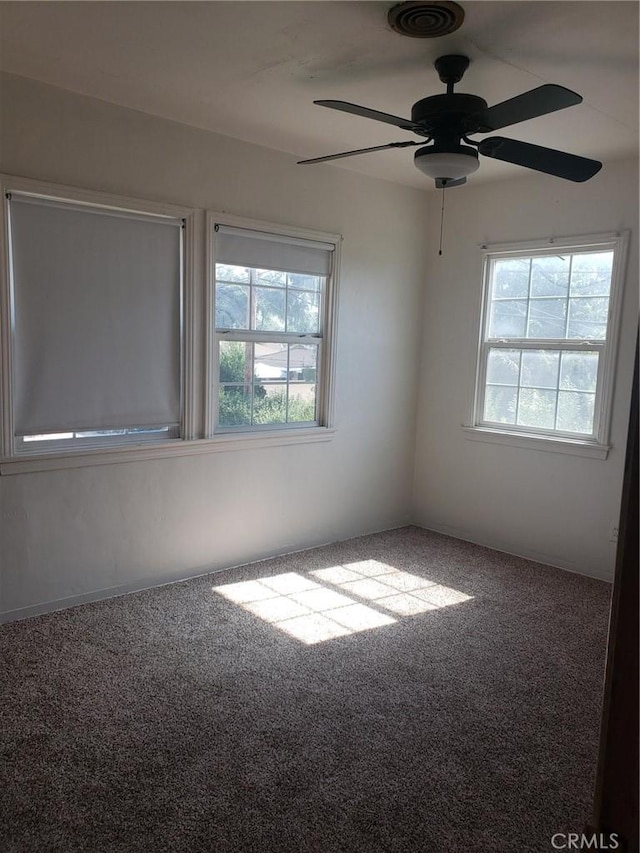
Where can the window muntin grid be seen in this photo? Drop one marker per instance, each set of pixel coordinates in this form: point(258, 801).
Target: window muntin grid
point(547, 318)
point(269, 331)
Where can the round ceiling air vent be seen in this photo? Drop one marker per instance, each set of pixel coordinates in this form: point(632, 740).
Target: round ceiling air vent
point(426, 20)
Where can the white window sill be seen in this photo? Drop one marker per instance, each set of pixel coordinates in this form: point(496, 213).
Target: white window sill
point(113, 455)
point(530, 441)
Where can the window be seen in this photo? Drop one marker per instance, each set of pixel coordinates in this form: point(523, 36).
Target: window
point(272, 298)
point(545, 365)
point(104, 302)
point(95, 338)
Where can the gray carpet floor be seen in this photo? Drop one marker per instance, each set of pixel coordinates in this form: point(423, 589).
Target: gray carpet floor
point(396, 693)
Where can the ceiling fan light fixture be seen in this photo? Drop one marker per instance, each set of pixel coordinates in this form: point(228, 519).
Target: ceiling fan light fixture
point(447, 165)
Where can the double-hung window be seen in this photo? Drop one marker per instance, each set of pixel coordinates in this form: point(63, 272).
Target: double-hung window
point(92, 325)
point(548, 339)
point(272, 299)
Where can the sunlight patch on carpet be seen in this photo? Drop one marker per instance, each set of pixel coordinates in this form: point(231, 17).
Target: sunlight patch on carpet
point(303, 608)
point(400, 592)
point(312, 612)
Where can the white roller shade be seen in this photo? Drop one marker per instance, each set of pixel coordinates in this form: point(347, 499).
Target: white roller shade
point(97, 314)
point(242, 247)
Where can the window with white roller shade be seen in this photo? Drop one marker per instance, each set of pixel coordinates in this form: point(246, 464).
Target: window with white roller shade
point(272, 298)
point(96, 301)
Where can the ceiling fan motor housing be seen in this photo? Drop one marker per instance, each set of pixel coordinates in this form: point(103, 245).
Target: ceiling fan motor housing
point(446, 109)
point(447, 119)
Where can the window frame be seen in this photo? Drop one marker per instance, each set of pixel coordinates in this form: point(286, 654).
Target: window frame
point(595, 445)
point(18, 456)
point(325, 339)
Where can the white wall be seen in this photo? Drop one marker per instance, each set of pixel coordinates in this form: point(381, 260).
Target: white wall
point(551, 507)
point(72, 533)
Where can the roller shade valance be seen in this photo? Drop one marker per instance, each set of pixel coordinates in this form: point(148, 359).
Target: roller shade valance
point(244, 247)
point(96, 298)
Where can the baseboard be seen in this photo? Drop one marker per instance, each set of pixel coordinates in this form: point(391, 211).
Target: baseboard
point(507, 548)
point(152, 582)
point(100, 595)
point(164, 580)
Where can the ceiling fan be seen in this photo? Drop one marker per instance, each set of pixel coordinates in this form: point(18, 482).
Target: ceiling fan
point(447, 121)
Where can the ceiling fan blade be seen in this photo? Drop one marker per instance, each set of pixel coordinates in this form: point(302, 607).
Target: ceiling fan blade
point(365, 112)
point(537, 102)
point(359, 151)
point(548, 160)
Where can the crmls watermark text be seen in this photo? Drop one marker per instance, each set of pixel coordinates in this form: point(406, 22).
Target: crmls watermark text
point(575, 841)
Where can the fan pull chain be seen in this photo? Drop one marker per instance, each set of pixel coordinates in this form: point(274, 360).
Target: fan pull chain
point(441, 221)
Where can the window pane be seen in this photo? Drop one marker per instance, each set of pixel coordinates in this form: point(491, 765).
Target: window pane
point(234, 405)
point(232, 306)
point(270, 404)
point(49, 436)
point(270, 309)
point(500, 404)
point(272, 278)
point(511, 277)
point(547, 318)
point(227, 272)
point(591, 274)
point(235, 362)
point(302, 402)
point(579, 371)
point(267, 383)
point(588, 318)
point(303, 360)
point(303, 312)
point(575, 411)
point(550, 276)
point(503, 367)
point(270, 362)
point(537, 408)
point(508, 318)
point(540, 369)
point(304, 282)
point(101, 433)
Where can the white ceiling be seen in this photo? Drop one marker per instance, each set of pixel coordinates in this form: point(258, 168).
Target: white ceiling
point(251, 70)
